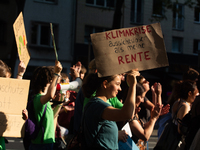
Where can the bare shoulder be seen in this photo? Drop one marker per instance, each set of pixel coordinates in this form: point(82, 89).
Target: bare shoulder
point(196, 107)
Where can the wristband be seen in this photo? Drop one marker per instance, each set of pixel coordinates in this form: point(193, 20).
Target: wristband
point(56, 74)
point(21, 75)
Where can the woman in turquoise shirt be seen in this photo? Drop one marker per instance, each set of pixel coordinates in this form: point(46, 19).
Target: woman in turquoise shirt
point(99, 127)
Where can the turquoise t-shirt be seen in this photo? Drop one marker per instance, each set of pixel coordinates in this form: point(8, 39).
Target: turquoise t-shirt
point(99, 133)
point(48, 122)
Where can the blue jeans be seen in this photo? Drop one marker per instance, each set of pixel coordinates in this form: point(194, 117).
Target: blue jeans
point(41, 146)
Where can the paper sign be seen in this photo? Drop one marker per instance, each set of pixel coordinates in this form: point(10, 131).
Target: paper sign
point(20, 37)
point(118, 51)
point(14, 95)
point(127, 128)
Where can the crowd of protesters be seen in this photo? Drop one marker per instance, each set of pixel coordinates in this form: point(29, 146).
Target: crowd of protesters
point(101, 106)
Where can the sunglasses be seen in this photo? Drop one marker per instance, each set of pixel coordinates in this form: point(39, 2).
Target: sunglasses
point(145, 81)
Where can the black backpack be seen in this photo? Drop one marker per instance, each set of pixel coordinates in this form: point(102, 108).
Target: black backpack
point(31, 127)
point(189, 127)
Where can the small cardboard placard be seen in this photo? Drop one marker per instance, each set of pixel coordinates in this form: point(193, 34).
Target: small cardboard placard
point(14, 95)
point(21, 41)
point(118, 51)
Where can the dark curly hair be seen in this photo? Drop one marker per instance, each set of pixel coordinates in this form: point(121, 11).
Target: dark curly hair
point(41, 76)
point(180, 90)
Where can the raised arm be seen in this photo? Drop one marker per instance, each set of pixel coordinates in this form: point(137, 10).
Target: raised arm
point(159, 93)
point(128, 109)
point(21, 70)
point(145, 132)
point(52, 87)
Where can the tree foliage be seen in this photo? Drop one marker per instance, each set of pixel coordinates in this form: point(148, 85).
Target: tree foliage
point(167, 6)
point(170, 5)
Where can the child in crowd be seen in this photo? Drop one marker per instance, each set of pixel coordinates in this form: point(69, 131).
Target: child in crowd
point(43, 86)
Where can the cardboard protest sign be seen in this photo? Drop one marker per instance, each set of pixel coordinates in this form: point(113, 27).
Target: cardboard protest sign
point(118, 51)
point(14, 95)
point(20, 37)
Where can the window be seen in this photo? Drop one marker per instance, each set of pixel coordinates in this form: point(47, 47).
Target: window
point(41, 34)
point(2, 31)
point(196, 46)
point(136, 11)
point(177, 44)
point(101, 3)
point(197, 14)
point(178, 16)
point(158, 9)
point(47, 1)
point(90, 29)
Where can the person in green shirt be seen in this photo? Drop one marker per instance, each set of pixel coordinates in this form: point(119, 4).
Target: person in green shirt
point(43, 86)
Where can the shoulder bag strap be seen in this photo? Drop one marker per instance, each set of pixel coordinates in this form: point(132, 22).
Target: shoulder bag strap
point(175, 115)
point(40, 124)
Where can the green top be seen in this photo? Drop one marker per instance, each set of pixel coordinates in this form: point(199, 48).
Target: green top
point(112, 101)
point(48, 122)
point(2, 143)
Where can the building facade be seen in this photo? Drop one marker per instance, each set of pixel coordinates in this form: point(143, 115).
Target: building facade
point(8, 14)
point(38, 14)
point(180, 30)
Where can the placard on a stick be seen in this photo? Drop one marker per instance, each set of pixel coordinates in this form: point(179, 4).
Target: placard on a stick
point(21, 41)
point(14, 95)
point(118, 51)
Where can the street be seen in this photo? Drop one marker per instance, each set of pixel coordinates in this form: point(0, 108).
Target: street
point(153, 139)
point(14, 144)
point(17, 143)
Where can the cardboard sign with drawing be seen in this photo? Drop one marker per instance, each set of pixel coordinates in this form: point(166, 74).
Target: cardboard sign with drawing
point(118, 51)
point(20, 37)
point(14, 95)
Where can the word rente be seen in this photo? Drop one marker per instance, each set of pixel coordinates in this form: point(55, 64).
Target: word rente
point(133, 57)
point(127, 32)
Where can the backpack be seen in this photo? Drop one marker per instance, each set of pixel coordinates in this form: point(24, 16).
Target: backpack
point(189, 127)
point(185, 123)
point(31, 127)
point(170, 138)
